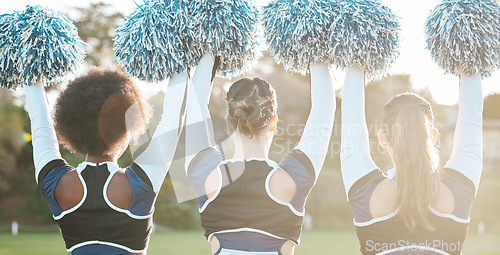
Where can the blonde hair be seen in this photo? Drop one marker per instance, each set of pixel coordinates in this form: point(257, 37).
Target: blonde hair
point(408, 124)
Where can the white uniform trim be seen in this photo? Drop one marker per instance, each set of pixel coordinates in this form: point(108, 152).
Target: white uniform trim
point(79, 169)
point(391, 175)
point(248, 230)
point(268, 190)
point(104, 243)
point(272, 164)
point(375, 220)
point(219, 172)
point(247, 159)
point(413, 247)
point(216, 193)
point(113, 169)
point(236, 252)
point(449, 216)
point(379, 219)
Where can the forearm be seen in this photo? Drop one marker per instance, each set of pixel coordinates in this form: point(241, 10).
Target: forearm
point(316, 136)
point(355, 157)
point(44, 139)
point(158, 156)
point(199, 130)
point(466, 156)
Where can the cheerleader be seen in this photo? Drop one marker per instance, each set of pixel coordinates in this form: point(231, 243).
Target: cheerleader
point(250, 204)
point(417, 207)
point(100, 207)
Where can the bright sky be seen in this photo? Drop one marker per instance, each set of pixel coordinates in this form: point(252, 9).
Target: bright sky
point(414, 58)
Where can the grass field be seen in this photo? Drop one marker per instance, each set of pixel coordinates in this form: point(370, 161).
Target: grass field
point(192, 242)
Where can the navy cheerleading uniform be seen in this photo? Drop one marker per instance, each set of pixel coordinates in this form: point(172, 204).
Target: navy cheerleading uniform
point(461, 175)
point(243, 214)
point(95, 225)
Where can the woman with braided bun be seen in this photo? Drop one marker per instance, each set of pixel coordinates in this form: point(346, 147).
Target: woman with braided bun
point(250, 204)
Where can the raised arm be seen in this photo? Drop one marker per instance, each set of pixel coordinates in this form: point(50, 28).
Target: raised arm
point(466, 156)
point(45, 145)
point(356, 161)
point(316, 137)
point(199, 129)
point(158, 156)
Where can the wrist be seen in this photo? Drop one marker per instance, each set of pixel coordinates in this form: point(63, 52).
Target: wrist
point(318, 67)
point(358, 67)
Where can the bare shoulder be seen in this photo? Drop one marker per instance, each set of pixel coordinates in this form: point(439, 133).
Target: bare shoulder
point(383, 199)
point(282, 185)
point(212, 183)
point(119, 191)
point(445, 202)
point(69, 190)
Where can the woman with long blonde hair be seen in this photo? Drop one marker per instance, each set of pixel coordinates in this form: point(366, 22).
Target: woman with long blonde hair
point(418, 206)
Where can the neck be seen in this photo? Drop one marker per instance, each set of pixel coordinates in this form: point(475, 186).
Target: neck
point(257, 147)
point(100, 159)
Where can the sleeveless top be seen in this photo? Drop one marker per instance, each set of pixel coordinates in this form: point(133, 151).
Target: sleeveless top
point(243, 214)
point(389, 235)
point(95, 225)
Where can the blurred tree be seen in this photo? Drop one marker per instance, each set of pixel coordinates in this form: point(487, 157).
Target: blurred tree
point(492, 107)
point(96, 26)
point(6, 97)
point(16, 165)
point(11, 143)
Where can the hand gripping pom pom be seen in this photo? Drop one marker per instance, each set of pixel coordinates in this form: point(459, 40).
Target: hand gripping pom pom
point(464, 36)
point(40, 45)
point(153, 42)
point(297, 32)
point(227, 28)
point(367, 33)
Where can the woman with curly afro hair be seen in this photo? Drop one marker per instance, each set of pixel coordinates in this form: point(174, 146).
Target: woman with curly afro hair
point(101, 208)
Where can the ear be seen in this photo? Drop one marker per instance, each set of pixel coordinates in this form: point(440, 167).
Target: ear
point(123, 149)
point(229, 125)
point(382, 140)
point(273, 123)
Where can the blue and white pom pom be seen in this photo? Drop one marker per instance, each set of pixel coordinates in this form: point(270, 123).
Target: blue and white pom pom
point(463, 36)
point(9, 77)
point(44, 47)
point(153, 42)
point(227, 29)
point(367, 33)
point(297, 32)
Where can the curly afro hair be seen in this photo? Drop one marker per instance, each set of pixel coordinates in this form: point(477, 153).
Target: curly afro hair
point(99, 112)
